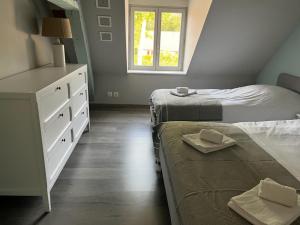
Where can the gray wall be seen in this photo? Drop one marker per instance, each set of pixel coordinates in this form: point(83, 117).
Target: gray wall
point(239, 37)
point(21, 46)
point(286, 60)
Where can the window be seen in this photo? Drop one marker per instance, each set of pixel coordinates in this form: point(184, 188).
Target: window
point(156, 39)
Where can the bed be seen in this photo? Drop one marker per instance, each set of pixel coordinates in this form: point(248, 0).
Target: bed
point(199, 186)
point(249, 103)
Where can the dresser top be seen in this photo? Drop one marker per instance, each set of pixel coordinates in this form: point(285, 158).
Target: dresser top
point(34, 80)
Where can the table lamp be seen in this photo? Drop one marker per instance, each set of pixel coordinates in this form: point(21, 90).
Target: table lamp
point(58, 28)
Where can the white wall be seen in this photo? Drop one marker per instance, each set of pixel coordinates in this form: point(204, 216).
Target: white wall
point(21, 46)
point(197, 14)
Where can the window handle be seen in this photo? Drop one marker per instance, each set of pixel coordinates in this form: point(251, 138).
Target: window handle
point(71, 113)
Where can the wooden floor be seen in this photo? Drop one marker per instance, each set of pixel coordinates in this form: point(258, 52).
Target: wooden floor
point(110, 179)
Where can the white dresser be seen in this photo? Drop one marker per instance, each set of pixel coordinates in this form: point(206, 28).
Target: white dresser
point(43, 113)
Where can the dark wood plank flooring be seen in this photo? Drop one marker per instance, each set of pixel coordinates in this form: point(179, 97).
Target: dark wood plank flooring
point(110, 179)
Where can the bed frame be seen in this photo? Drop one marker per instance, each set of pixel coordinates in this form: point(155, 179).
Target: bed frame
point(284, 80)
point(289, 81)
point(175, 220)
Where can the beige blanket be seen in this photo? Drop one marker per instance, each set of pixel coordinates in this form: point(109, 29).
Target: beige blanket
point(203, 184)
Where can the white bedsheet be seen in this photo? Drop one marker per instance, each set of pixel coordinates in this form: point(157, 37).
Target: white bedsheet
point(281, 139)
point(243, 104)
point(256, 103)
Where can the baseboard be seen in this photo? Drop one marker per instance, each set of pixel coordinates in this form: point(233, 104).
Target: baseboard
point(99, 106)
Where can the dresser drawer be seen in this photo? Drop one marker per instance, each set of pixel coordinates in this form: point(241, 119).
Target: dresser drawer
point(55, 126)
point(51, 99)
point(79, 121)
point(78, 100)
point(56, 156)
point(77, 81)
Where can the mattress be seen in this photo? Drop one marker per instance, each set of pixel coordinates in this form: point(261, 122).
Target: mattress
point(281, 139)
point(202, 184)
point(249, 103)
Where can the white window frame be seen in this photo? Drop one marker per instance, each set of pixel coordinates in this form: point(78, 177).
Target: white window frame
point(157, 33)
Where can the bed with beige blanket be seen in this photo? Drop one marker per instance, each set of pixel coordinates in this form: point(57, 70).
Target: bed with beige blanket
point(199, 186)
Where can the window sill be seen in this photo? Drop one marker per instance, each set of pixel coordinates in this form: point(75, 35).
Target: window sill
point(149, 72)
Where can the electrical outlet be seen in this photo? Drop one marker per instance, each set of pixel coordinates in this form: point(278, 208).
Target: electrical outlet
point(116, 94)
point(109, 94)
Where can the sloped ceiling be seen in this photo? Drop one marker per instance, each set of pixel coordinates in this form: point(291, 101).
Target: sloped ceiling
point(196, 17)
point(237, 40)
point(240, 36)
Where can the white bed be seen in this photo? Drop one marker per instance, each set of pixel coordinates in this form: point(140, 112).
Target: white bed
point(281, 139)
point(243, 104)
point(258, 103)
point(265, 149)
point(249, 103)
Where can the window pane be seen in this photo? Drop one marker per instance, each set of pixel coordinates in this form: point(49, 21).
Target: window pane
point(170, 39)
point(144, 24)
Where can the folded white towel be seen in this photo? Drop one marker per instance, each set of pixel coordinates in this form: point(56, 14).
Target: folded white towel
point(204, 146)
point(277, 193)
point(262, 212)
point(211, 136)
point(191, 92)
point(182, 90)
point(244, 214)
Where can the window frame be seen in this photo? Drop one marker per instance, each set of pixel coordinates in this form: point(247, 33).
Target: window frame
point(157, 35)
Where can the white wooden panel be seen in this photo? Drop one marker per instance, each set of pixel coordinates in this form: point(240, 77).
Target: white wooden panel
point(36, 80)
point(58, 153)
point(52, 99)
point(17, 148)
point(36, 132)
point(55, 127)
point(78, 81)
point(79, 100)
point(80, 121)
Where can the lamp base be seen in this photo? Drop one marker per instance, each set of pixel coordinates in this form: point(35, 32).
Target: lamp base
point(59, 55)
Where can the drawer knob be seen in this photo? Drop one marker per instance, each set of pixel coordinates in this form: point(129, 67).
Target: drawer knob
point(63, 140)
point(61, 115)
point(81, 93)
point(82, 113)
point(80, 74)
point(58, 88)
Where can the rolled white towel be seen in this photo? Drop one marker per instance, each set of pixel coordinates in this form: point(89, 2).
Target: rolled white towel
point(182, 90)
point(211, 136)
point(284, 195)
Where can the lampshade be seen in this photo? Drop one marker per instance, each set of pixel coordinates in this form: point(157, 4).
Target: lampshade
point(56, 27)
